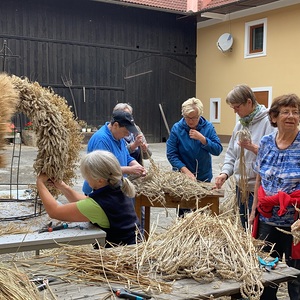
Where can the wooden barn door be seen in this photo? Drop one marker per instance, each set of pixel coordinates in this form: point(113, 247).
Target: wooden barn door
point(155, 80)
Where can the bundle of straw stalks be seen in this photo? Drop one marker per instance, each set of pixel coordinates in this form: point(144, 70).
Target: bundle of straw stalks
point(295, 229)
point(243, 134)
point(198, 246)
point(11, 228)
point(9, 98)
point(16, 285)
point(159, 182)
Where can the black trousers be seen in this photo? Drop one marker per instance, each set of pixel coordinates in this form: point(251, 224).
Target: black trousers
point(283, 246)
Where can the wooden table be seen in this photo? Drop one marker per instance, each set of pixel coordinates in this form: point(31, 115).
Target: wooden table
point(176, 202)
point(184, 289)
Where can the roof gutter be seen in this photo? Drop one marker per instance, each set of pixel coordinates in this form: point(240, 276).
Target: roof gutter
point(123, 3)
point(242, 13)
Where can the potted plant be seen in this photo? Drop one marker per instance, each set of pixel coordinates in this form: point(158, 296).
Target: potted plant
point(83, 125)
point(28, 135)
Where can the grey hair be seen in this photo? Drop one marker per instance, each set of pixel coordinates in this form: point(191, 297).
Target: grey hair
point(190, 105)
point(123, 106)
point(240, 94)
point(103, 164)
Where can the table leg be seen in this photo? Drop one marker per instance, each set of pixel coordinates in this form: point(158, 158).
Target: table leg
point(147, 222)
point(215, 205)
point(137, 205)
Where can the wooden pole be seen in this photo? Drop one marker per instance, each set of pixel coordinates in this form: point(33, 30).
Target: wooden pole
point(164, 118)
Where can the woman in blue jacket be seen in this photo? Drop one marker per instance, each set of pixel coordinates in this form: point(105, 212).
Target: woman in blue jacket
point(191, 143)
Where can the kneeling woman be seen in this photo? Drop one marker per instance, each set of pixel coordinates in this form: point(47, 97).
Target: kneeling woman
point(109, 205)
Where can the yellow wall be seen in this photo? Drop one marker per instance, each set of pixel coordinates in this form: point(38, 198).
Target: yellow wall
point(217, 73)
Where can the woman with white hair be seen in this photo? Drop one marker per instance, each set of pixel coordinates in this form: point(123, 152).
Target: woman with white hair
point(191, 143)
point(109, 205)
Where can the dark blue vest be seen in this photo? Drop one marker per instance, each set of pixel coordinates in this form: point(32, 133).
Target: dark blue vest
point(120, 213)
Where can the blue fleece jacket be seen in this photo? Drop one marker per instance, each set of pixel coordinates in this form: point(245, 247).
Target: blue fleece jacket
point(182, 151)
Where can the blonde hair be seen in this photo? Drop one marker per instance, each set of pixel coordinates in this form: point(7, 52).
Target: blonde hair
point(103, 164)
point(123, 106)
point(191, 105)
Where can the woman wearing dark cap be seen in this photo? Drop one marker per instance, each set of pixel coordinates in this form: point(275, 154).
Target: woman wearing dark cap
point(110, 137)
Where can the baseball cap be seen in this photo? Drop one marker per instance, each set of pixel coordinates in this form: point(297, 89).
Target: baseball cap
point(124, 118)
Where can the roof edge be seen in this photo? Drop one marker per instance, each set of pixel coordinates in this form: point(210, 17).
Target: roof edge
point(245, 12)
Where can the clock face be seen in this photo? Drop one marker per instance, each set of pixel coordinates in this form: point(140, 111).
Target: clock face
point(225, 42)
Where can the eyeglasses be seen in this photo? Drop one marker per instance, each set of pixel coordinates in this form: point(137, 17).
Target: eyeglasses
point(236, 106)
point(191, 119)
point(286, 113)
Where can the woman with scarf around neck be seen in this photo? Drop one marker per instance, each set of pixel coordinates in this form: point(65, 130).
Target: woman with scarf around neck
point(109, 205)
point(254, 120)
point(191, 143)
point(277, 188)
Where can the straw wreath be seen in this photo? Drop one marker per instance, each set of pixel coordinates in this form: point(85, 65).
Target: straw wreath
point(58, 138)
point(8, 100)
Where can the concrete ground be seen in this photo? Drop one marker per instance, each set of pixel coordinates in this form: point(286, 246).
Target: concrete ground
point(19, 169)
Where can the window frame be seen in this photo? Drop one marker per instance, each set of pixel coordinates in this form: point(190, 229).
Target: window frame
point(249, 27)
point(215, 110)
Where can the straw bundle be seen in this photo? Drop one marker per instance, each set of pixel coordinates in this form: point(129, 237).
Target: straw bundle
point(11, 228)
point(243, 134)
point(8, 100)
point(295, 230)
point(16, 285)
point(199, 246)
point(158, 182)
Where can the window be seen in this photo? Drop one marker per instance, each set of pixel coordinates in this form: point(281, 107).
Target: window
point(255, 38)
point(215, 106)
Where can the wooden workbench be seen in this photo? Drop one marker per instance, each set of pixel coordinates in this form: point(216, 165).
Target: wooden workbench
point(83, 235)
point(185, 289)
point(176, 202)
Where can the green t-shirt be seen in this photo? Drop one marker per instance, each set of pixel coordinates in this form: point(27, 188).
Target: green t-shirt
point(93, 211)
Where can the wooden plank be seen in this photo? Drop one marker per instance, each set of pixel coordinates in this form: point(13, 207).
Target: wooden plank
point(47, 240)
point(185, 289)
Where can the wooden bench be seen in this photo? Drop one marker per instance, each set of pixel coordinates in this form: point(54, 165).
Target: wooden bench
point(89, 234)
